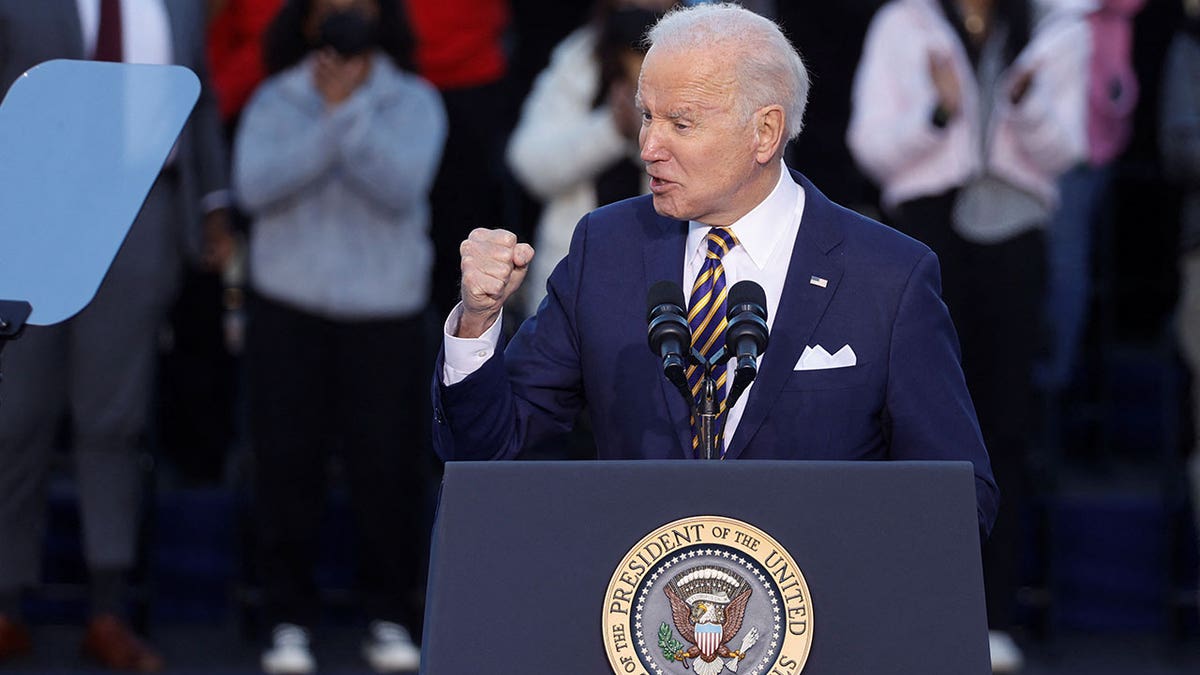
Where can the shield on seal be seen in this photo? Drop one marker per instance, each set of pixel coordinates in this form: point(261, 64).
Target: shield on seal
point(708, 638)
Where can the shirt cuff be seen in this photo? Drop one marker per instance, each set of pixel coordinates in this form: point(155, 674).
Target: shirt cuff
point(467, 355)
point(216, 200)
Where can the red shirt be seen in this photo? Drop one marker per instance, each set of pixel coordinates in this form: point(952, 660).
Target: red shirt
point(235, 51)
point(459, 41)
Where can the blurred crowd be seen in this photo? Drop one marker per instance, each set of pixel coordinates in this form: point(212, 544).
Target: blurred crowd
point(273, 317)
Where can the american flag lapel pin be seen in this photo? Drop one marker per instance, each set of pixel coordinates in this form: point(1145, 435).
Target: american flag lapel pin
point(818, 281)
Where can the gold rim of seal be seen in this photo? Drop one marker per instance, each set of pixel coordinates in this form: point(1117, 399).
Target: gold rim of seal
point(698, 531)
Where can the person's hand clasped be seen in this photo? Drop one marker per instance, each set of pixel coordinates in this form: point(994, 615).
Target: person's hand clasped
point(945, 82)
point(494, 264)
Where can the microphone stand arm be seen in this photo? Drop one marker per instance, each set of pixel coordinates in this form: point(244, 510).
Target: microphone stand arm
point(706, 410)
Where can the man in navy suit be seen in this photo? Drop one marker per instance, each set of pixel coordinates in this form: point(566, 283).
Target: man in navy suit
point(863, 360)
point(98, 366)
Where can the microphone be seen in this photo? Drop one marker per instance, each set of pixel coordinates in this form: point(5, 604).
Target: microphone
point(745, 334)
point(669, 334)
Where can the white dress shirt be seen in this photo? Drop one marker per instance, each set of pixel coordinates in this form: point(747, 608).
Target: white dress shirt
point(765, 235)
point(145, 30)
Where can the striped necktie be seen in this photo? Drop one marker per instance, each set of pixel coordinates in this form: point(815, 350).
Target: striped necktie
point(706, 316)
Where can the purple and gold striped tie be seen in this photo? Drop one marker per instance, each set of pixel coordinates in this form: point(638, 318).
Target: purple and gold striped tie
point(706, 316)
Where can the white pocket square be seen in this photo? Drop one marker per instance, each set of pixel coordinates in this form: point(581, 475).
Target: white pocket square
point(816, 358)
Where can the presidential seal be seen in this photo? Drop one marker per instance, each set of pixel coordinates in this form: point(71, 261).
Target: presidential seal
point(707, 594)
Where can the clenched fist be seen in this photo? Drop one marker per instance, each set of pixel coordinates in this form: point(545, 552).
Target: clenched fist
point(493, 267)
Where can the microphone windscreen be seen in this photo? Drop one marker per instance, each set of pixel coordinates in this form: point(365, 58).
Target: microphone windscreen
point(663, 293)
point(744, 292)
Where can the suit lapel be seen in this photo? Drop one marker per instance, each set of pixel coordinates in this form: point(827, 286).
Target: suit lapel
point(801, 307)
point(176, 22)
point(664, 251)
point(71, 26)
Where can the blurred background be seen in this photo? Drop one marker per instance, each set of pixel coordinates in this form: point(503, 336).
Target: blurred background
point(1105, 544)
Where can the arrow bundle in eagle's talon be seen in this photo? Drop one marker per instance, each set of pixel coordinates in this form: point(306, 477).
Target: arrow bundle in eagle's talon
point(747, 643)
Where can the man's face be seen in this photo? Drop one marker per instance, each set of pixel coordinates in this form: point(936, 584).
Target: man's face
point(698, 149)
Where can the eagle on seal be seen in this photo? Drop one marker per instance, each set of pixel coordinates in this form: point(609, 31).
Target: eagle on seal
point(707, 625)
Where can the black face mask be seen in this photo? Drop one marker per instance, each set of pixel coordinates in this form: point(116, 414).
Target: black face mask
point(348, 32)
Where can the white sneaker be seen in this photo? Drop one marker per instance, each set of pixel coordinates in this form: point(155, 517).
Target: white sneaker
point(1006, 655)
point(389, 648)
point(289, 653)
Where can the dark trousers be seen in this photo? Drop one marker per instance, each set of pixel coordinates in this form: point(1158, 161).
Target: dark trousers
point(317, 384)
point(995, 294)
point(97, 368)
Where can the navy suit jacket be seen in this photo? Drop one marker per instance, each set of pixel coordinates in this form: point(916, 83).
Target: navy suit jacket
point(905, 399)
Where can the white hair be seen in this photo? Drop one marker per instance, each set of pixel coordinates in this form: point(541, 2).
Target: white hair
point(767, 66)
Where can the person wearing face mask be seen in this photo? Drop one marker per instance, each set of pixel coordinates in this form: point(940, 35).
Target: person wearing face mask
point(333, 161)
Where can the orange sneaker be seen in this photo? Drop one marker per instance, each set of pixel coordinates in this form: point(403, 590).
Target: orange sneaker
point(112, 644)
